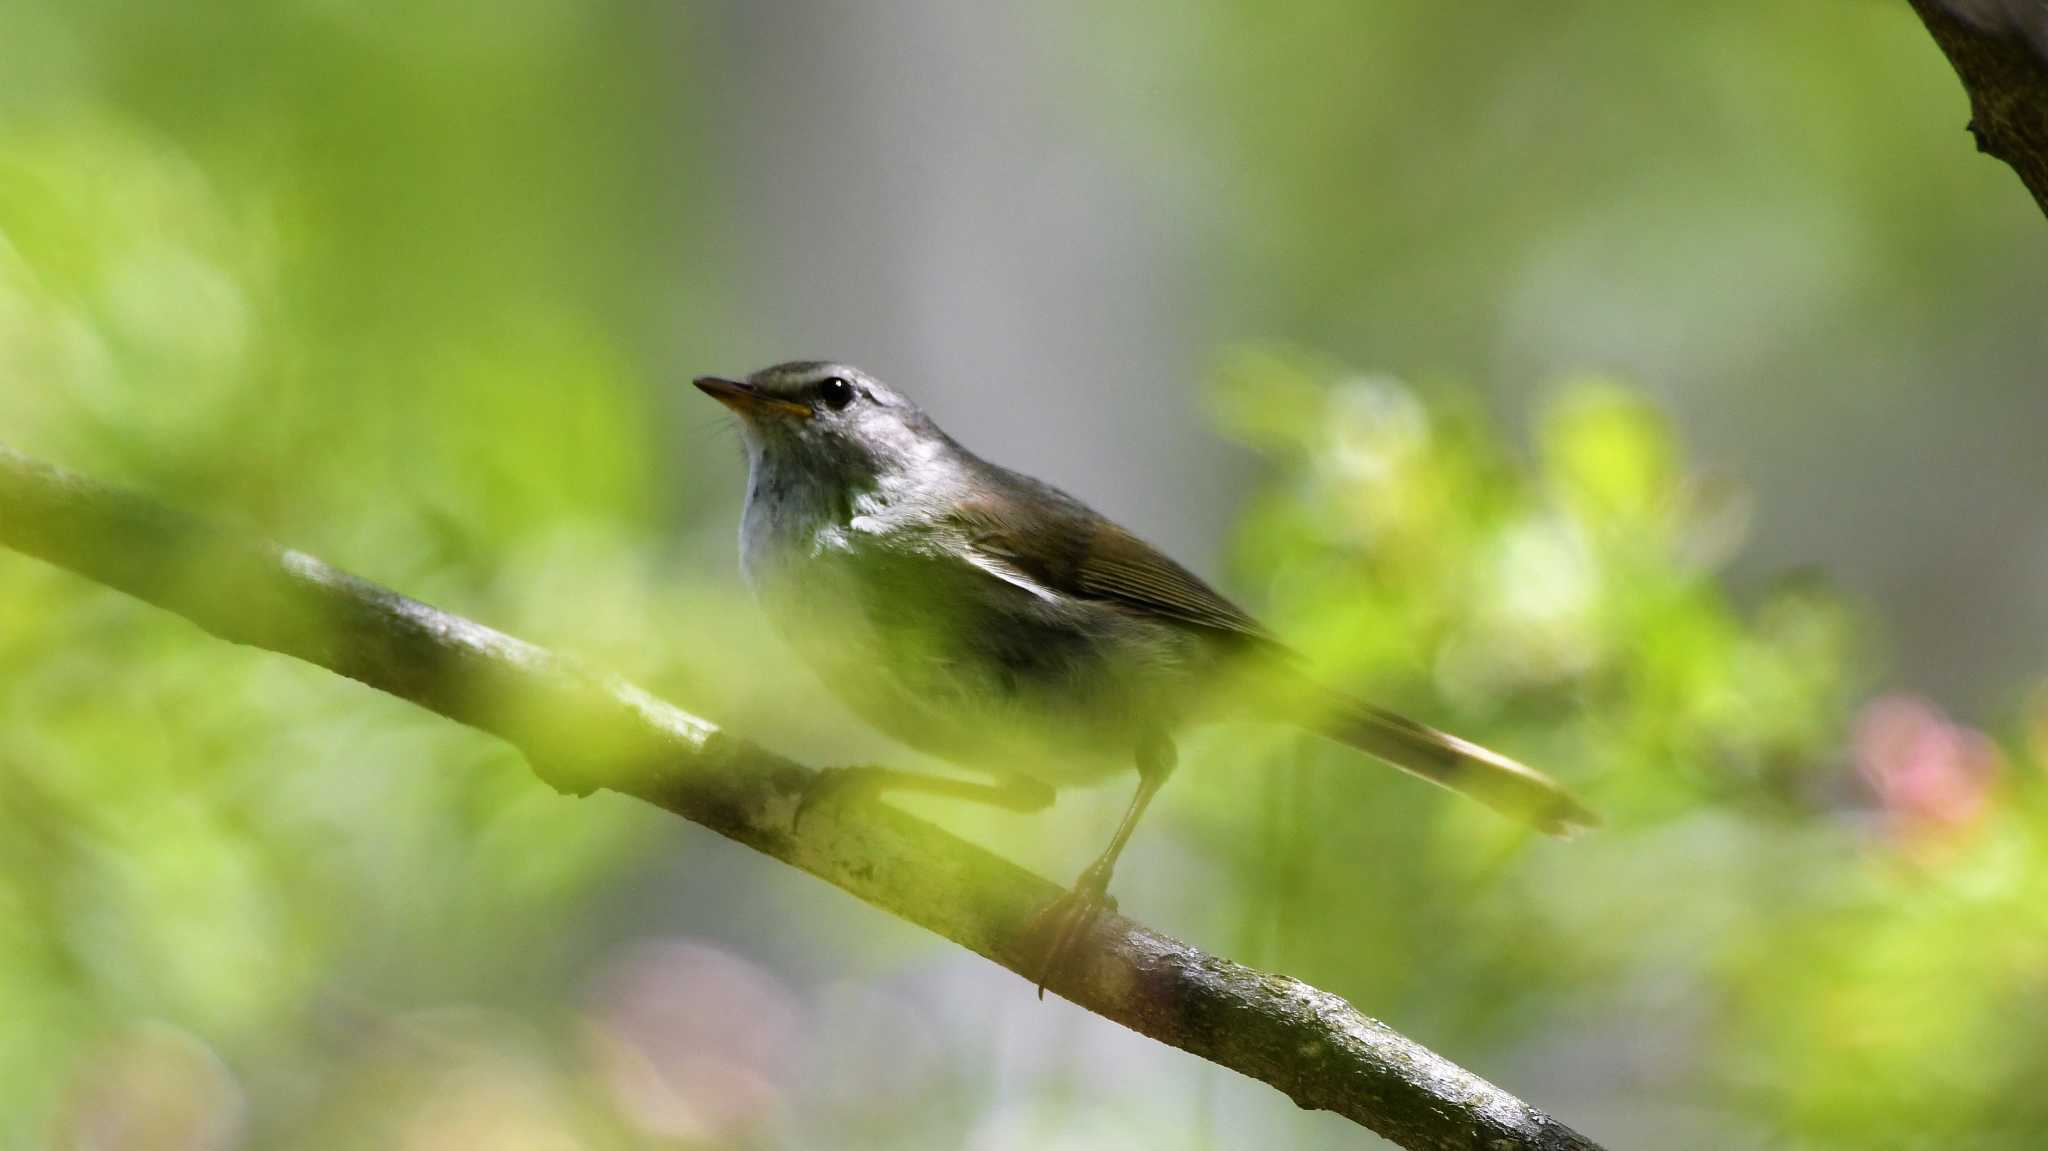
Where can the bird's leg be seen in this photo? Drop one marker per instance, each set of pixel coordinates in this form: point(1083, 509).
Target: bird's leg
point(1070, 917)
point(836, 784)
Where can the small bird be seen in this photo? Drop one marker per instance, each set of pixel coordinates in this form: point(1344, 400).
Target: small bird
point(996, 622)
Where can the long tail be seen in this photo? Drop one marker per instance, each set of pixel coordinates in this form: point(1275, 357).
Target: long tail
point(1493, 779)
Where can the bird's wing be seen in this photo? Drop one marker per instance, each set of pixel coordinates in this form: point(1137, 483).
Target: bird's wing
point(1057, 545)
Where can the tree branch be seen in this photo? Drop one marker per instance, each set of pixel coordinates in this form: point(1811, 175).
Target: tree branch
point(582, 731)
point(1997, 48)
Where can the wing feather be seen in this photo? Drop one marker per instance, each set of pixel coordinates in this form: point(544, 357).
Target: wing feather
point(1056, 543)
point(1123, 568)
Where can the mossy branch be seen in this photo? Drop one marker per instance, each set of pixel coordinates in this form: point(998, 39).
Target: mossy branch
point(581, 730)
point(2006, 77)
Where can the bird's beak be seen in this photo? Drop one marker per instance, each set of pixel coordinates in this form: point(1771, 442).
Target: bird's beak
point(746, 399)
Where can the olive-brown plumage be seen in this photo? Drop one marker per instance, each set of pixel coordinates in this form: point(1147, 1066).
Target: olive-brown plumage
point(995, 621)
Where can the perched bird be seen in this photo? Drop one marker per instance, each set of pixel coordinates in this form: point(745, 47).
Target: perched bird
point(998, 623)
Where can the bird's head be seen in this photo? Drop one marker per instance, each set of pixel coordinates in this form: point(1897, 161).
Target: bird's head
point(830, 419)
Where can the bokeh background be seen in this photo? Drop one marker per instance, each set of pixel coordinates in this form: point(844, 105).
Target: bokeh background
point(1654, 391)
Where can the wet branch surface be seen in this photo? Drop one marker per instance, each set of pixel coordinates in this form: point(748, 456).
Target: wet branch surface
point(2007, 81)
point(582, 730)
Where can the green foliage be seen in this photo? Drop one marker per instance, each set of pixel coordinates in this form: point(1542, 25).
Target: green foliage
point(382, 281)
point(1578, 589)
point(1870, 947)
point(241, 268)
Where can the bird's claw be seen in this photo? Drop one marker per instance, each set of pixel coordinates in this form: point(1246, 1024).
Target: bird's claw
point(1067, 920)
point(831, 786)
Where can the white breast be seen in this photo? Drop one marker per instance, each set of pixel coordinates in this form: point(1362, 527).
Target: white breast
point(889, 612)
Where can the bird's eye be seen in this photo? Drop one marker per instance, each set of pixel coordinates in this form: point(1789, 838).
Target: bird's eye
point(837, 392)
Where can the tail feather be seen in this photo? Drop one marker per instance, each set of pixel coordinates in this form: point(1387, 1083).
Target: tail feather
point(1493, 779)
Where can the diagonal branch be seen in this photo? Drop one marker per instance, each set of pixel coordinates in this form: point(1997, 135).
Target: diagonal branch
point(1997, 48)
point(582, 730)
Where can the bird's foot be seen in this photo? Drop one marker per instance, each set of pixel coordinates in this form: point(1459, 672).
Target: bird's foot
point(832, 786)
point(1066, 921)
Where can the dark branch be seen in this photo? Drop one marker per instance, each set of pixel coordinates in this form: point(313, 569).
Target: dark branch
point(582, 730)
point(1997, 50)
